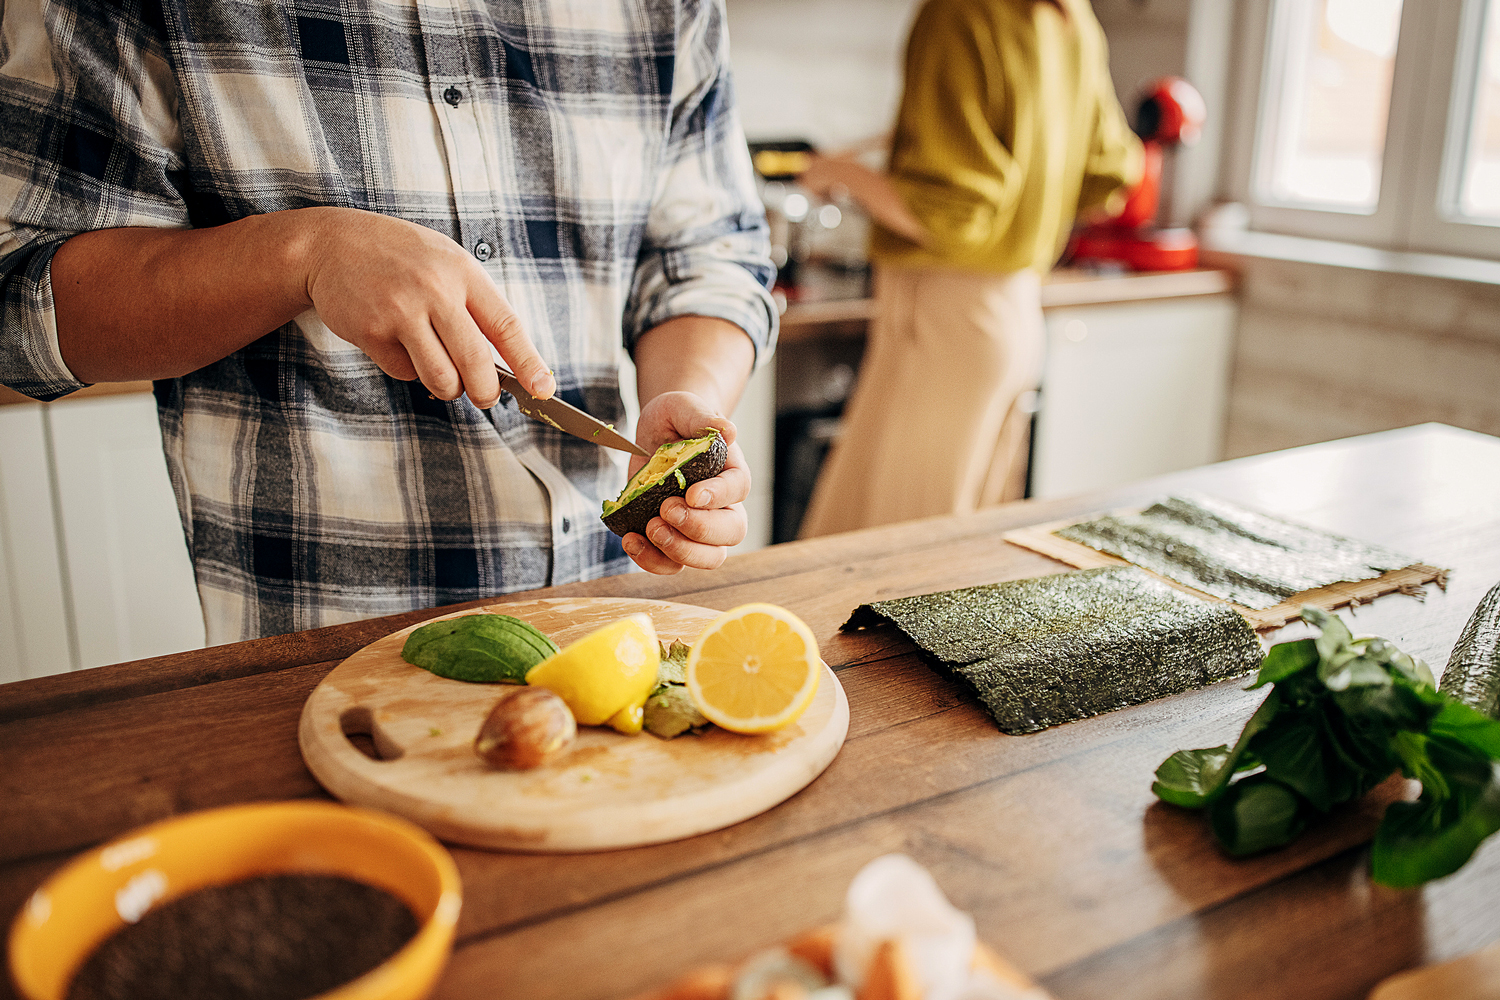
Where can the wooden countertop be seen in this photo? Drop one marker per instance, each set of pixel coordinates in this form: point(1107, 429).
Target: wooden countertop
point(1052, 841)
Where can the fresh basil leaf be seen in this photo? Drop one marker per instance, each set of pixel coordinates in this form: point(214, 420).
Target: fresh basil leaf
point(1362, 743)
point(1417, 763)
point(1292, 752)
point(1194, 778)
point(1469, 726)
point(1394, 706)
point(1427, 839)
point(1285, 659)
point(1357, 672)
point(1256, 814)
point(1333, 638)
point(1191, 778)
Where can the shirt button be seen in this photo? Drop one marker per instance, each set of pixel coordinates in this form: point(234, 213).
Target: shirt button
point(483, 250)
point(453, 96)
point(566, 524)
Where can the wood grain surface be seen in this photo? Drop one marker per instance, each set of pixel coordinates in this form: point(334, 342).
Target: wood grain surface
point(608, 790)
point(1053, 841)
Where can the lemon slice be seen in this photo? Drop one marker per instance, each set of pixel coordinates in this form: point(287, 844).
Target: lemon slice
point(605, 674)
point(754, 669)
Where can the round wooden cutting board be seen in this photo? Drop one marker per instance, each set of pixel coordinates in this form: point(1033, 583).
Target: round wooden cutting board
point(609, 790)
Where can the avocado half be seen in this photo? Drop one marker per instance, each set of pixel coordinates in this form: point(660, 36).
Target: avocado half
point(675, 466)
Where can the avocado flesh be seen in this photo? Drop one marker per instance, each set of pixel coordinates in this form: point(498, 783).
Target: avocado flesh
point(675, 466)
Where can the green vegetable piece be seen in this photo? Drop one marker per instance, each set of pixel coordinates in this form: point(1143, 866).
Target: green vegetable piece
point(1257, 814)
point(1342, 715)
point(670, 712)
point(1192, 778)
point(1462, 724)
point(1473, 672)
point(484, 648)
point(1285, 660)
point(1435, 836)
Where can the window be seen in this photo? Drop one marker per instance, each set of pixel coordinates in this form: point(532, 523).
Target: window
point(1479, 158)
point(1374, 121)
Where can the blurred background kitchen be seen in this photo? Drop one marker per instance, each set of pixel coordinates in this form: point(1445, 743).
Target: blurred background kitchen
point(1337, 272)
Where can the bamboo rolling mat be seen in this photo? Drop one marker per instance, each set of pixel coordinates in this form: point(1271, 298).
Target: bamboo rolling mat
point(1408, 580)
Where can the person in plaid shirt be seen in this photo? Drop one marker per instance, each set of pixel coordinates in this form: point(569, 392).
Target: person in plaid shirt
point(313, 224)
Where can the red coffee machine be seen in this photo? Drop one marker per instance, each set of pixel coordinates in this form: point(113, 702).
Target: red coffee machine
point(1171, 113)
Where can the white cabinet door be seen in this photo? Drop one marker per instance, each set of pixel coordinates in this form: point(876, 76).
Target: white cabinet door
point(127, 566)
point(1131, 390)
point(35, 630)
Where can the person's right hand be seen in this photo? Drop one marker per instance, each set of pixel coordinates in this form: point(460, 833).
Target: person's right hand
point(419, 305)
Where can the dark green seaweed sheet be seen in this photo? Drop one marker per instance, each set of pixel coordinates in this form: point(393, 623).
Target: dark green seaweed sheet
point(1223, 549)
point(1053, 649)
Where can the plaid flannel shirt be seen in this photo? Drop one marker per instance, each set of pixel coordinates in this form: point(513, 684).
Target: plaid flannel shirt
point(586, 151)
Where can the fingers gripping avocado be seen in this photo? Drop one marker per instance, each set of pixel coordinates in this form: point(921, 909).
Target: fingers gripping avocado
point(675, 466)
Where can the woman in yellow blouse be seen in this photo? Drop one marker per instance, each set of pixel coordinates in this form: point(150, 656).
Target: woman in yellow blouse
point(1008, 129)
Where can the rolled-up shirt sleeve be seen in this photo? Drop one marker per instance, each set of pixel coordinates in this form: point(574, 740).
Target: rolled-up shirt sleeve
point(90, 141)
point(706, 248)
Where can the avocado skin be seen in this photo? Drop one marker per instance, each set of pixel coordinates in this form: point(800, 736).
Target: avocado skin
point(636, 514)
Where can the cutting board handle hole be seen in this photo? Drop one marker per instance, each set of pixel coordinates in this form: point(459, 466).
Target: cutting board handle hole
point(359, 728)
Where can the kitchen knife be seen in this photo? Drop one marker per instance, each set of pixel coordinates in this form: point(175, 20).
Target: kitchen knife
point(566, 418)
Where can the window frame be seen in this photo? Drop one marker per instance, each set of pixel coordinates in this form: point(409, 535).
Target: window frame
point(1431, 94)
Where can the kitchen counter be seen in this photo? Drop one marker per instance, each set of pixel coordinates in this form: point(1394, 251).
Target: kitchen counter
point(836, 300)
point(1053, 841)
point(835, 303)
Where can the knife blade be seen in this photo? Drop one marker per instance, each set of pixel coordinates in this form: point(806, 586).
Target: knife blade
point(565, 417)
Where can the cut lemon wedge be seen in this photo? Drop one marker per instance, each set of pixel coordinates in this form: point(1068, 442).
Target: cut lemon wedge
point(605, 677)
point(754, 669)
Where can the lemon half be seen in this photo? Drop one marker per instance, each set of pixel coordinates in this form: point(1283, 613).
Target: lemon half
point(606, 676)
point(754, 669)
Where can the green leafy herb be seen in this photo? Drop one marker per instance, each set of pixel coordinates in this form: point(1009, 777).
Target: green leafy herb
point(1344, 714)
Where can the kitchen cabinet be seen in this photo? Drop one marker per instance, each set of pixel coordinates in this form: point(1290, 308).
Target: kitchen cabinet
point(93, 565)
point(35, 637)
point(1131, 390)
point(1135, 383)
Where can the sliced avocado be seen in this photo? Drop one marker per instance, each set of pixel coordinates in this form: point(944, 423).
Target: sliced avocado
point(675, 466)
point(670, 712)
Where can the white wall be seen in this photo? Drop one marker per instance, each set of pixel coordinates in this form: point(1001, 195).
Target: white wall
point(828, 71)
point(1325, 352)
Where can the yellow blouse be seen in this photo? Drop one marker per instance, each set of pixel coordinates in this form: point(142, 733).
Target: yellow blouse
point(1008, 128)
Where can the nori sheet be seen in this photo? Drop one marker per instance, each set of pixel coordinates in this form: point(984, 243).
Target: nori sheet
point(1052, 649)
point(1239, 555)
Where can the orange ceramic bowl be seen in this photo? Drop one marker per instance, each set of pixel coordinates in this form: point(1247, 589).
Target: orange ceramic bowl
point(79, 906)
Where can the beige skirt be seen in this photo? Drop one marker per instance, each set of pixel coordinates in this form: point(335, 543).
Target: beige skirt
point(935, 424)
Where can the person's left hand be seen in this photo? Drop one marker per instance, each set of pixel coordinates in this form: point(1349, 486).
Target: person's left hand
point(696, 531)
